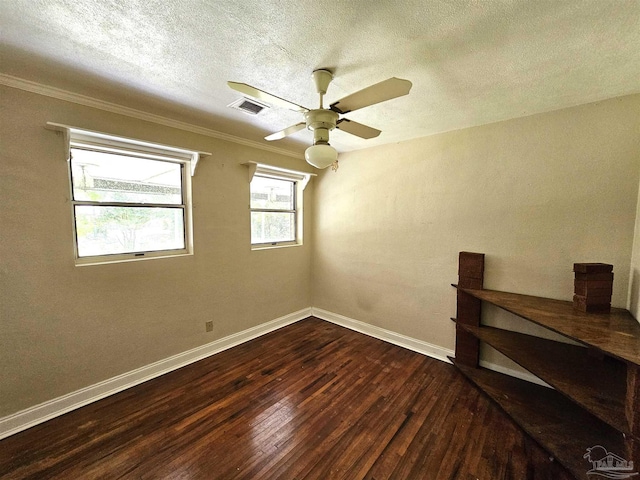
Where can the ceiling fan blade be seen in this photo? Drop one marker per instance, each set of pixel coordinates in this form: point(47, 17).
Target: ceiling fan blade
point(266, 97)
point(286, 132)
point(357, 129)
point(380, 92)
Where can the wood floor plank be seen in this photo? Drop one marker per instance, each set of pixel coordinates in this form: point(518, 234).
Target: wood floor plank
point(309, 401)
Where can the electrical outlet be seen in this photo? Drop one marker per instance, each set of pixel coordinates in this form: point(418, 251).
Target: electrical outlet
point(208, 326)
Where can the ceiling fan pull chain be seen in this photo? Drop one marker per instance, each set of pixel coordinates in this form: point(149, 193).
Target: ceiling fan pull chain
point(334, 166)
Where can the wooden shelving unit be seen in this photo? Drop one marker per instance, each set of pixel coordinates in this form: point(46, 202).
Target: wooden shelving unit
point(595, 398)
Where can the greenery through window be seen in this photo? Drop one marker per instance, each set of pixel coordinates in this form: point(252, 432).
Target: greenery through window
point(128, 204)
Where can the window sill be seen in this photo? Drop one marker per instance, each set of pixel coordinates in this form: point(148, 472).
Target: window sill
point(87, 261)
point(269, 246)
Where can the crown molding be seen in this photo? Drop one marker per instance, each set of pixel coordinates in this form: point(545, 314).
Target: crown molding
point(67, 96)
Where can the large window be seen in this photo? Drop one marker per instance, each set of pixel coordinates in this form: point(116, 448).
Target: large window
point(276, 206)
point(131, 200)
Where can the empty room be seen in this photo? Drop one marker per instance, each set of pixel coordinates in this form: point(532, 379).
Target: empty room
point(307, 240)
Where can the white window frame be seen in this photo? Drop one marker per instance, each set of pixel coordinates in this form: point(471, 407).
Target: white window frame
point(98, 141)
point(300, 179)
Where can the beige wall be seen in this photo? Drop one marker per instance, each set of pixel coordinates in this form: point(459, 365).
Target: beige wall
point(66, 327)
point(536, 194)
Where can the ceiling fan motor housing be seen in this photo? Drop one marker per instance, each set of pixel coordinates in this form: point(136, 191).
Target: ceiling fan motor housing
point(320, 122)
point(321, 118)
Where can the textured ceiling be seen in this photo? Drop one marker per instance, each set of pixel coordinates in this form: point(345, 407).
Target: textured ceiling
point(471, 62)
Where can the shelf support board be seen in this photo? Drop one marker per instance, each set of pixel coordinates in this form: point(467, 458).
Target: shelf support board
point(470, 275)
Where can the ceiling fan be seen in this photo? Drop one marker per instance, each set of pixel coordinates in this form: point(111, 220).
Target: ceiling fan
point(322, 120)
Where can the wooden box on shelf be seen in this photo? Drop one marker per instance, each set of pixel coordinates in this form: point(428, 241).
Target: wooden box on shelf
point(593, 286)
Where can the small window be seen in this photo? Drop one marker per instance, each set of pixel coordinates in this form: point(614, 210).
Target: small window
point(276, 206)
point(273, 210)
point(130, 200)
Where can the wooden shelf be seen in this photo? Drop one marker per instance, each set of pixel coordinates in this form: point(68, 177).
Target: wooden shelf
point(558, 425)
point(616, 334)
point(597, 385)
point(595, 399)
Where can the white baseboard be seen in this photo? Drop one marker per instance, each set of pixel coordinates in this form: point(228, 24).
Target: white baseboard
point(419, 346)
point(32, 416)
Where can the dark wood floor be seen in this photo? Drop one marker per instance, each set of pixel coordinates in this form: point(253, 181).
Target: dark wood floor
point(311, 400)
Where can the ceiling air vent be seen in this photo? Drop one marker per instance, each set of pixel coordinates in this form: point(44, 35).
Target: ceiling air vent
point(251, 107)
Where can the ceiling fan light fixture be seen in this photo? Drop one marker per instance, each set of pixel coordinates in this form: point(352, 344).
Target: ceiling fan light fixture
point(321, 155)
